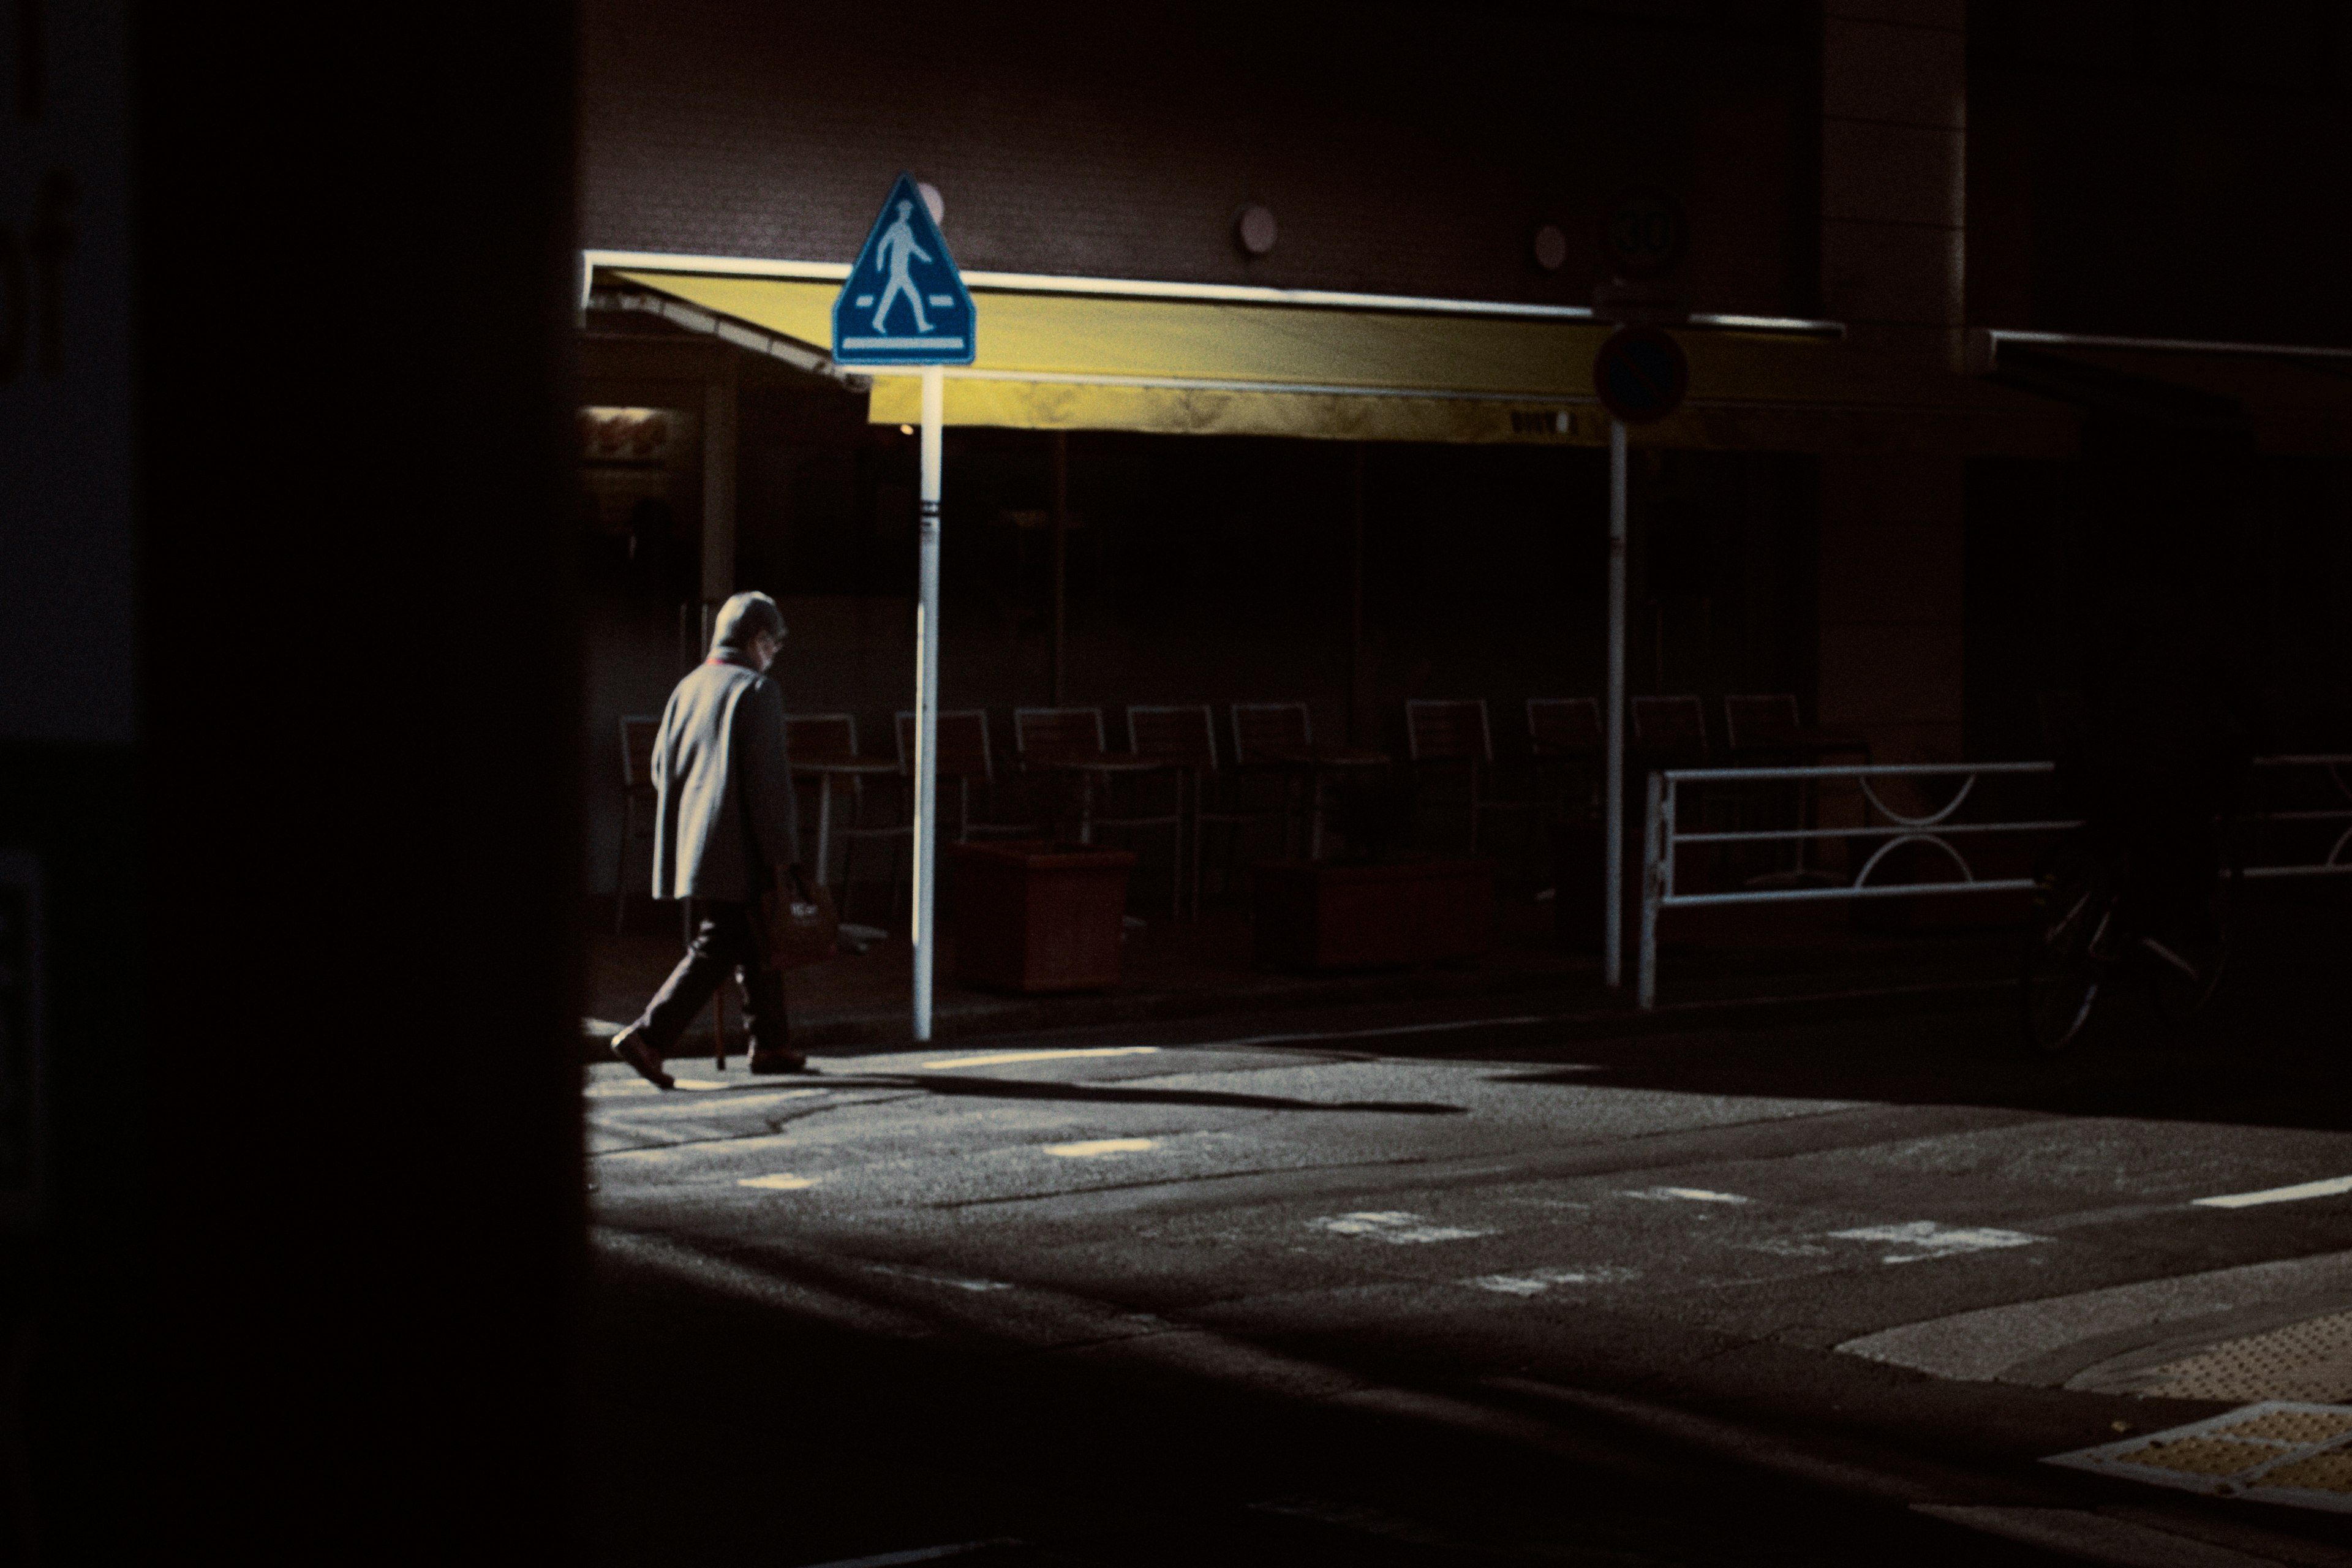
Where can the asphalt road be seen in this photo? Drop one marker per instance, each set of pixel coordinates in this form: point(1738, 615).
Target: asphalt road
point(1434, 1285)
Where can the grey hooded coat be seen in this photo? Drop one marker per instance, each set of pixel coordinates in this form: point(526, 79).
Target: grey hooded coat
point(726, 816)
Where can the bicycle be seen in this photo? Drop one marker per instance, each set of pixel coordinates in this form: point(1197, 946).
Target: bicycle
point(2091, 921)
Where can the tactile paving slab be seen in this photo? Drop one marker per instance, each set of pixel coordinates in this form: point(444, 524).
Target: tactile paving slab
point(2280, 1451)
point(2310, 1360)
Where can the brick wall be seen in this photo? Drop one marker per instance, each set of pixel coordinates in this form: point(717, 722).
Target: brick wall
point(1396, 156)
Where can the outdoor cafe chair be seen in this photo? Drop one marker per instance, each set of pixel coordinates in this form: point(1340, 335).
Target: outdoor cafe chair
point(1670, 731)
point(1186, 736)
point(965, 758)
point(1566, 741)
point(1261, 727)
point(1765, 728)
point(1057, 731)
point(824, 748)
point(1280, 736)
point(638, 732)
point(1457, 730)
point(1762, 730)
point(1071, 740)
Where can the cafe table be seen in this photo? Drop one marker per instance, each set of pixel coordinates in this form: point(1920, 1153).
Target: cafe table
point(1314, 763)
point(1093, 770)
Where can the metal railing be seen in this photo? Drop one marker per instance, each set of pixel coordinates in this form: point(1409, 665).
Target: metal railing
point(1892, 829)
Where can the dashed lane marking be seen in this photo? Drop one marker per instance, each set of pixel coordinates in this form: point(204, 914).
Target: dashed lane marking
point(937, 1278)
point(700, 1107)
point(999, 1059)
point(918, 1554)
point(1395, 1225)
point(781, 1182)
point(1537, 1281)
point(1688, 1194)
point(1447, 1027)
point(1102, 1146)
point(2327, 1189)
point(1923, 1238)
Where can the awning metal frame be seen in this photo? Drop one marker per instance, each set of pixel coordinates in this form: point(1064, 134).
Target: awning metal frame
point(726, 329)
point(1147, 288)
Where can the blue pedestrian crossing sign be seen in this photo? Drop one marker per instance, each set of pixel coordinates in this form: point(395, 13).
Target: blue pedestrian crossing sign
point(904, 302)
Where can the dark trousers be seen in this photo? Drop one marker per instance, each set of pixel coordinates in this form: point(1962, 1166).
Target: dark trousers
point(723, 945)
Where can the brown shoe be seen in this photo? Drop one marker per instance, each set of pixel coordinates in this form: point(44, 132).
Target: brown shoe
point(630, 1045)
point(778, 1061)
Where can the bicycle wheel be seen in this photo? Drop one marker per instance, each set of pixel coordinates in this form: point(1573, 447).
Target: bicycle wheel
point(2189, 966)
point(2058, 973)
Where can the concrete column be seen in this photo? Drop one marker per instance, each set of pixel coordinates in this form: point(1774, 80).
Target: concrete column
point(1895, 141)
point(1894, 255)
point(718, 487)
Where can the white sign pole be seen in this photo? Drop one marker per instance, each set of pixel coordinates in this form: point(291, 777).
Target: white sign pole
point(927, 703)
point(1613, 778)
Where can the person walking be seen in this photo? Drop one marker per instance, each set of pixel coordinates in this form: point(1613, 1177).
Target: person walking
point(724, 824)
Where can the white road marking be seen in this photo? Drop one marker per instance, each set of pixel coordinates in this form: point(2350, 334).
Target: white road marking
point(667, 1133)
point(1690, 1195)
point(938, 1279)
point(701, 1105)
point(1538, 1281)
point(998, 1059)
point(1102, 1146)
point(1926, 1240)
point(1393, 1226)
point(2327, 1189)
point(1396, 1029)
point(1780, 1246)
point(619, 1088)
point(781, 1182)
point(693, 1084)
point(918, 1554)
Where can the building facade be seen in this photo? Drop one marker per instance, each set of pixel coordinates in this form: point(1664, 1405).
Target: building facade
point(1919, 171)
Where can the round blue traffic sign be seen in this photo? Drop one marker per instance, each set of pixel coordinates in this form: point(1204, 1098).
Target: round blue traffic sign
point(1640, 374)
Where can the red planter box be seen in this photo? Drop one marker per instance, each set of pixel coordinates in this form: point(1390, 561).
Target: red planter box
point(1332, 915)
point(1035, 915)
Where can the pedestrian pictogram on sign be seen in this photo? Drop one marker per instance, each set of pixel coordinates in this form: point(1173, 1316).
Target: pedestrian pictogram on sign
point(1640, 374)
point(903, 302)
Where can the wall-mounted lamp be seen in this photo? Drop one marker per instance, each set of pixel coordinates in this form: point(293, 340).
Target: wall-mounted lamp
point(1253, 228)
point(1550, 246)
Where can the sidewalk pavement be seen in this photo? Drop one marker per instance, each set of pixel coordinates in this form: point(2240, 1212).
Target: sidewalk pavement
point(1718, 971)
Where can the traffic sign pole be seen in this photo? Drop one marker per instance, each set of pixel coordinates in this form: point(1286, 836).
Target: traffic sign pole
point(903, 304)
point(927, 703)
point(1612, 935)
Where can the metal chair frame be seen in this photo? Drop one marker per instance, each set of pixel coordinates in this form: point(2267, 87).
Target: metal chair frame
point(1025, 724)
point(965, 826)
point(1566, 733)
point(1427, 742)
point(1256, 721)
point(1196, 754)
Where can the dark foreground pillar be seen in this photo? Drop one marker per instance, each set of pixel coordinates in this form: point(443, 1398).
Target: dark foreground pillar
point(301, 1286)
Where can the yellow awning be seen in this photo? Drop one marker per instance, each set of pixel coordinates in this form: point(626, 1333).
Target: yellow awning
point(1094, 362)
point(2295, 404)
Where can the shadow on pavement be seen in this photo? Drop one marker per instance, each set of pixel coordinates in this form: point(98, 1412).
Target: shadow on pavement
point(2273, 1049)
point(1099, 1094)
point(723, 1425)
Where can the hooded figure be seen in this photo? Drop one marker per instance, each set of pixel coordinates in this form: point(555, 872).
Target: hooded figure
point(725, 817)
point(724, 824)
